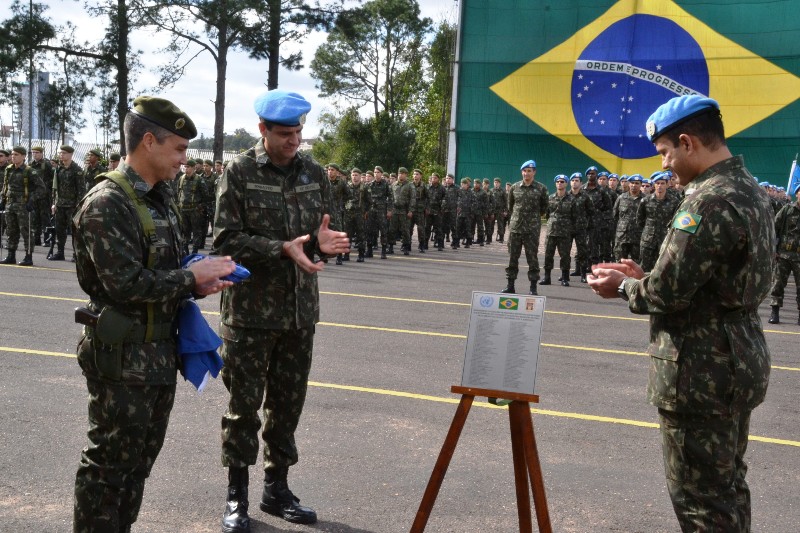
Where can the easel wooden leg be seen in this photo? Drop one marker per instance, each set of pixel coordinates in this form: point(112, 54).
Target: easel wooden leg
point(442, 463)
point(520, 470)
point(522, 413)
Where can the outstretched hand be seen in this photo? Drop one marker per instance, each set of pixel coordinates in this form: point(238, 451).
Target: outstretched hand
point(330, 242)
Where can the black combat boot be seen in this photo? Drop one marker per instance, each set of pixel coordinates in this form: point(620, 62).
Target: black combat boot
point(534, 292)
point(390, 251)
point(368, 255)
point(576, 272)
point(10, 259)
point(58, 256)
point(27, 261)
point(775, 318)
point(406, 249)
point(565, 278)
point(510, 287)
point(583, 274)
point(38, 240)
point(546, 278)
point(421, 249)
point(383, 251)
point(235, 519)
point(562, 277)
point(360, 257)
point(338, 259)
point(346, 257)
point(278, 500)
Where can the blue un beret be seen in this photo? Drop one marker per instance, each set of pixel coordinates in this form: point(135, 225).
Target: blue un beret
point(575, 175)
point(676, 111)
point(659, 175)
point(282, 107)
point(635, 177)
point(612, 175)
point(590, 169)
point(601, 174)
point(529, 163)
point(562, 177)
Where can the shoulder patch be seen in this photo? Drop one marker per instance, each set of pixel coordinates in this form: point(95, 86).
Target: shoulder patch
point(686, 221)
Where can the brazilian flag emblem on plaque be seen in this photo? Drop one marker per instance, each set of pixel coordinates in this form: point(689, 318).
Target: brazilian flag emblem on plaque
point(686, 221)
point(509, 304)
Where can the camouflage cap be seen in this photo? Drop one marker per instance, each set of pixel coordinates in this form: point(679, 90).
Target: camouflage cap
point(165, 114)
point(96, 152)
point(67, 148)
point(20, 150)
point(114, 156)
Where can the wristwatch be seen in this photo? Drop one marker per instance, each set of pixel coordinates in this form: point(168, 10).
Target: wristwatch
point(621, 290)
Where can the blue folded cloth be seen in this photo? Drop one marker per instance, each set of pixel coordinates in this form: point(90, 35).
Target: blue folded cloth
point(238, 275)
point(197, 346)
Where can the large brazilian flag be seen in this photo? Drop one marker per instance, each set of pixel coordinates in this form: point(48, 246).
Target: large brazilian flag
point(571, 83)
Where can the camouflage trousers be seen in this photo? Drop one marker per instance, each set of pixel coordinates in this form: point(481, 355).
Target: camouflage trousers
point(399, 228)
point(705, 469)
point(63, 219)
point(449, 226)
point(648, 256)
point(41, 216)
point(476, 222)
point(594, 237)
point(501, 226)
point(193, 222)
point(581, 249)
point(488, 227)
point(627, 250)
point(607, 241)
point(18, 222)
point(531, 243)
point(377, 224)
point(354, 227)
point(780, 276)
point(550, 246)
point(418, 220)
point(269, 369)
point(463, 231)
point(434, 228)
point(127, 425)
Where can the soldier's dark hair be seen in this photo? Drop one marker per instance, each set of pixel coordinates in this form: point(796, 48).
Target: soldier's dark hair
point(135, 127)
point(707, 127)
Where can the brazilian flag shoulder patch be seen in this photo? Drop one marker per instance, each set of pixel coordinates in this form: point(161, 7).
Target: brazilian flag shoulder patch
point(686, 221)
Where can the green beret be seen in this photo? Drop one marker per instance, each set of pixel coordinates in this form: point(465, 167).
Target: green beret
point(114, 157)
point(20, 150)
point(165, 114)
point(37, 149)
point(5, 152)
point(67, 148)
point(497, 179)
point(370, 173)
point(378, 168)
point(334, 166)
point(96, 152)
point(207, 162)
point(465, 180)
point(402, 170)
point(356, 169)
point(218, 162)
point(191, 163)
point(417, 170)
point(486, 180)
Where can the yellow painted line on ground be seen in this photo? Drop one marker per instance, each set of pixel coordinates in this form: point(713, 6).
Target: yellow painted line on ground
point(40, 268)
point(425, 259)
point(43, 297)
point(393, 330)
point(440, 399)
point(392, 299)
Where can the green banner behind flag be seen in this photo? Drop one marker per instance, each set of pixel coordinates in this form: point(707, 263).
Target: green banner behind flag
point(572, 85)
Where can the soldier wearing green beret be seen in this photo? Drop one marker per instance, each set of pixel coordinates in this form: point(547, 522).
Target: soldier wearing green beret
point(41, 214)
point(93, 168)
point(405, 201)
point(4, 161)
point(210, 180)
point(479, 209)
point(420, 211)
point(434, 220)
point(113, 160)
point(67, 191)
point(193, 197)
point(21, 188)
point(128, 354)
point(464, 209)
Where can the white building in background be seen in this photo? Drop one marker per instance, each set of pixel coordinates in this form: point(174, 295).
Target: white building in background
point(25, 125)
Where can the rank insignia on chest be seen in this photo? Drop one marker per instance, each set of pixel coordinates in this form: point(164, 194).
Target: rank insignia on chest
point(687, 222)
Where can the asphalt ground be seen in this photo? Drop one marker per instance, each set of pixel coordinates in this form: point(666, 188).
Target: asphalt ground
point(389, 346)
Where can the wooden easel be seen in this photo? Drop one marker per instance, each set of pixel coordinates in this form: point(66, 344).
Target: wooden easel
point(523, 448)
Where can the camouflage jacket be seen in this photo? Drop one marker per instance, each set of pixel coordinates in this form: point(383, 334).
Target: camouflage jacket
point(44, 170)
point(20, 184)
point(259, 207)
point(421, 200)
point(380, 194)
point(89, 175)
point(192, 192)
point(584, 211)
point(654, 217)
point(111, 252)
point(625, 210)
point(499, 201)
point(608, 216)
point(450, 199)
point(68, 185)
point(481, 205)
point(435, 198)
point(358, 199)
point(601, 201)
point(466, 202)
point(707, 345)
point(527, 204)
point(787, 230)
point(339, 192)
point(561, 215)
point(405, 199)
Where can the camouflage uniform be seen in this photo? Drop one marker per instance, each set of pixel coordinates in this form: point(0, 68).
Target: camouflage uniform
point(450, 214)
point(499, 200)
point(584, 223)
point(653, 217)
point(609, 235)
point(465, 206)
point(267, 323)
point(20, 190)
point(355, 207)
point(420, 214)
point(601, 201)
point(405, 201)
point(192, 199)
point(67, 191)
point(787, 229)
point(211, 200)
point(479, 210)
point(629, 233)
point(90, 174)
point(131, 384)
point(434, 220)
point(561, 214)
point(339, 193)
point(41, 218)
point(381, 203)
point(527, 204)
point(709, 360)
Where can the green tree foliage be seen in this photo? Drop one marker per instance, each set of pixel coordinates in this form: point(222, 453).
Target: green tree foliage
point(238, 141)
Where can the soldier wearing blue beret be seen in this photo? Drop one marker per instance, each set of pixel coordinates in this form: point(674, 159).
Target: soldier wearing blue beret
point(274, 208)
point(598, 236)
point(709, 364)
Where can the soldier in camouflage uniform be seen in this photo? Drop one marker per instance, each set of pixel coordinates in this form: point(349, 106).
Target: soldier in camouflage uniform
point(420, 210)
point(18, 194)
point(113, 160)
point(527, 203)
point(273, 216)
point(67, 191)
point(584, 222)
point(479, 209)
point(339, 191)
point(787, 230)
point(41, 213)
point(561, 213)
point(610, 228)
point(381, 206)
point(629, 233)
point(499, 200)
point(356, 211)
point(654, 217)
point(488, 218)
point(464, 208)
point(210, 180)
point(192, 199)
point(435, 198)
point(93, 168)
point(601, 202)
point(709, 360)
point(450, 211)
point(405, 201)
point(131, 378)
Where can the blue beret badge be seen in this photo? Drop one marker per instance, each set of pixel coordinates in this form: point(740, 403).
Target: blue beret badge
point(686, 221)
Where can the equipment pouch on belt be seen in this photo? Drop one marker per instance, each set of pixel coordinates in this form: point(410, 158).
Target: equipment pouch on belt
point(113, 327)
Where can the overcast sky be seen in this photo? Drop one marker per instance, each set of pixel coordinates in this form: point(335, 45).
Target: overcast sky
point(245, 77)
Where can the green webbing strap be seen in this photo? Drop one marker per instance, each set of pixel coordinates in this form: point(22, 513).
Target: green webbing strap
point(149, 228)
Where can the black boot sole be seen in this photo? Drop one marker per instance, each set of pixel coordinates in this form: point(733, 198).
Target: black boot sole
point(276, 510)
